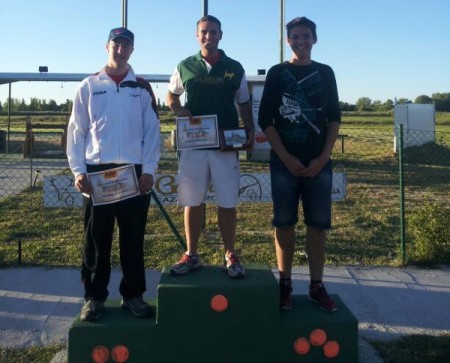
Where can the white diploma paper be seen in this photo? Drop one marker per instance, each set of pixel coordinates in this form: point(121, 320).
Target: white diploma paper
point(114, 185)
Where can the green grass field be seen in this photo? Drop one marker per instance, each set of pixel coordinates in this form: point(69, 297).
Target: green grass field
point(366, 224)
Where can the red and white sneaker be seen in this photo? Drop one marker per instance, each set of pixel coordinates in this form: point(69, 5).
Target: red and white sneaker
point(233, 267)
point(319, 295)
point(186, 264)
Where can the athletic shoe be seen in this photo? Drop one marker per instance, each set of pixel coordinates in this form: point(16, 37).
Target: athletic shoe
point(91, 310)
point(186, 264)
point(232, 266)
point(286, 296)
point(138, 307)
point(319, 295)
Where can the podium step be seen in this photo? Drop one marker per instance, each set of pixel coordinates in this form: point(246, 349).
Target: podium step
point(187, 299)
point(116, 328)
point(206, 317)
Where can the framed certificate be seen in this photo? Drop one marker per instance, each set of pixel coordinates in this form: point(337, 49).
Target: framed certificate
point(113, 185)
point(200, 132)
point(234, 139)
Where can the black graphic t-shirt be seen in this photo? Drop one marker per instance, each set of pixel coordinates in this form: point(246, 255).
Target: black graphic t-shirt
point(300, 101)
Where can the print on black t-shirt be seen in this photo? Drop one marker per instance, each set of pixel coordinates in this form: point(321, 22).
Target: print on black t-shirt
point(296, 107)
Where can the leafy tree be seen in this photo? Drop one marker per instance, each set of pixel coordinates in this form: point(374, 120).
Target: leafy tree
point(402, 101)
point(34, 104)
point(376, 105)
point(52, 106)
point(423, 99)
point(22, 106)
point(346, 106)
point(440, 96)
point(364, 104)
point(441, 101)
point(67, 107)
point(387, 105)
point(43, 106)
point(442, 105)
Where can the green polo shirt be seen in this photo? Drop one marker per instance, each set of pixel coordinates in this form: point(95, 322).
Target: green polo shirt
point(212, 93)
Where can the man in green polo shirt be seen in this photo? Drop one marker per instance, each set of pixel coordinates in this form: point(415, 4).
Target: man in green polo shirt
point(214, 84)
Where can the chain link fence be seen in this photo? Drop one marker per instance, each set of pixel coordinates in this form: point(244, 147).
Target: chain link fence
point(38, 202)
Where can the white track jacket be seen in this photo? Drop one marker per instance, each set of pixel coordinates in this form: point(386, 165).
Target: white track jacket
point(113, 124)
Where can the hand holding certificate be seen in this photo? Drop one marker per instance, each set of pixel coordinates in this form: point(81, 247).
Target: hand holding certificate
point(113, 185)
point(198, 132)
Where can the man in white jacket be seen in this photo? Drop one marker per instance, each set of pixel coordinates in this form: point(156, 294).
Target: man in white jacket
point(114, 123)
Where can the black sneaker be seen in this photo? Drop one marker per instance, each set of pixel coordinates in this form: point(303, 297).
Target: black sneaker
point(286, 296)
point(138, 307)
point(91, 310)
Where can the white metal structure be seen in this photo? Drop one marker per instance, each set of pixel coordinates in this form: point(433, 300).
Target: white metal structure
point(418, 122)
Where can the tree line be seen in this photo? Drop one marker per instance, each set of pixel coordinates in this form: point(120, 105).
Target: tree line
point(35, 104)
point(440, 100)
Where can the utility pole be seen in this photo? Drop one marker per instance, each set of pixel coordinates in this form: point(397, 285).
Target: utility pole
point(124, 13)
point(281, 31)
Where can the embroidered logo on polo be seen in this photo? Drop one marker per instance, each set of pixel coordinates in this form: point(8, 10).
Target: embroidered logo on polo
point(214, 79)
point(228, 75)
point(97, 93)
point(209, 80)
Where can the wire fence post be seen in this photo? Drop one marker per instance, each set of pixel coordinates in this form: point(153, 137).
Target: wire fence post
point(402, 193)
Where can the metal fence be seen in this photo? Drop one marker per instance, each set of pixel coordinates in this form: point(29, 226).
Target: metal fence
point(370, 219)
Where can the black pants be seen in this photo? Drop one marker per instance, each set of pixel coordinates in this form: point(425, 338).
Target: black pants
point(99, 221)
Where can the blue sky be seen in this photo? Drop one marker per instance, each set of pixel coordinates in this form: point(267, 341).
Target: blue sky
point(381, 49)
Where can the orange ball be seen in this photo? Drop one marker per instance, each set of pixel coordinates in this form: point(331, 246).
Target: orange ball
point(302, 346)
point(120, 353)
point(318, 337)
point(100, 354)
point(331, 349)
point(219, 303)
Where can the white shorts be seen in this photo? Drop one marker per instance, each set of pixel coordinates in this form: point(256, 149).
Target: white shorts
point(202, 169)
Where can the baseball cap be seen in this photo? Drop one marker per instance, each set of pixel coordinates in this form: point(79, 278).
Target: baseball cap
point(121, 33)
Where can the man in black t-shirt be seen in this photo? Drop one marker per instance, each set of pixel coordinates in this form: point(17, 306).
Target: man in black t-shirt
point(300, 116)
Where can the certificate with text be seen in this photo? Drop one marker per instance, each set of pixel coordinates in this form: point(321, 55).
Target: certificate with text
point(114, 185)
point(199, 132)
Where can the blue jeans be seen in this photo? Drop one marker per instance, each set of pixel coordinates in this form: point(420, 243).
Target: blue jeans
point(288, 190)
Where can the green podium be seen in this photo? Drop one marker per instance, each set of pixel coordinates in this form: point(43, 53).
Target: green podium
point(206, 317)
